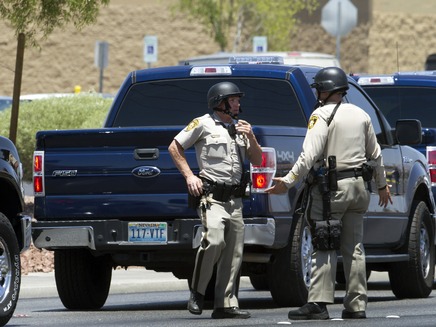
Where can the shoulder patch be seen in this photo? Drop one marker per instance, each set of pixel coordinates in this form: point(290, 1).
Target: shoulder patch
point(312, 121)
point(194, 123)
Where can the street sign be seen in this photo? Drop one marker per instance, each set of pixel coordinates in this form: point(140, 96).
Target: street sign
point(150, 48)
point(339, 17)
point(101, 54)
point(260, 44)
point(101, 59)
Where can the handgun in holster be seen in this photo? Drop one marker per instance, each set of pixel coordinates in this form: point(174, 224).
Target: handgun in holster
point(332, 173)
point(368, 173)
point(194, 201)
point(324, 190)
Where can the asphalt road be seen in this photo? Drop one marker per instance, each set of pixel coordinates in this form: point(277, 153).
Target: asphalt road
point(144, 298)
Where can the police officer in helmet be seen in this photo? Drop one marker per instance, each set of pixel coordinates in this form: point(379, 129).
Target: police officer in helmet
point(222, 142)
point(342, 131)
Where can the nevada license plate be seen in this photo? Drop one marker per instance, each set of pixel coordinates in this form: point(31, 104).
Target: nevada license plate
point(148, 232)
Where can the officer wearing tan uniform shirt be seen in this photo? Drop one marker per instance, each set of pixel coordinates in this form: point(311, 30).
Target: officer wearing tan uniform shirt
point(345, 131)
point(221, 144)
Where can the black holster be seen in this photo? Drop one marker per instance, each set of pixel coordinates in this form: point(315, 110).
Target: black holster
point(367, 172)
point(323, 186)
point(333, 174)
point(194, 201)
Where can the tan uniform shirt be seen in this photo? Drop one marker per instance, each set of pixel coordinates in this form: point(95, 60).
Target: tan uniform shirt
point(350, 137)
point(217, 153)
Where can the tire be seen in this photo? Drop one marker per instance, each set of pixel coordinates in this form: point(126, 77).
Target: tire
point(10, 273)
point(289, 272)
point(414, 278)
point(82, 280)
point(260, 282)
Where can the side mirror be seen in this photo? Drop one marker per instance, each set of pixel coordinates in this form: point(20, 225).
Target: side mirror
point(408, 131)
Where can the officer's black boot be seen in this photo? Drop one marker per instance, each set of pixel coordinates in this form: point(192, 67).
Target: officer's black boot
point(310, 311)
point(195, 303)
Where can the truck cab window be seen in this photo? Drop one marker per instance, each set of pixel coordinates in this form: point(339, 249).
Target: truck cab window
point(405, 103)
point(357, 98)
point(159, 103)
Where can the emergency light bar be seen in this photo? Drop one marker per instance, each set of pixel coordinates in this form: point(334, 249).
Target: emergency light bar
point(256, 60)
point(423, 73)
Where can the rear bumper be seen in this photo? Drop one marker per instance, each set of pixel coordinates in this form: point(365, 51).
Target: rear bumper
point(103, 235)
point(255, 234)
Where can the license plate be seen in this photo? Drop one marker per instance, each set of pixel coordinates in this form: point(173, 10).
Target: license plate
point(148, 232)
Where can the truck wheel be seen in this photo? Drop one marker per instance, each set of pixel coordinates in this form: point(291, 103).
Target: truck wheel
point(82, 280)
point(289, 272)
point(10, 270)
point(260, 282)
point(414, 278)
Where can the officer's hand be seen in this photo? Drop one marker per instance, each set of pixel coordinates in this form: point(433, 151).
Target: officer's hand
point(244, 128)
point(278, 188)
point(384, 197)
point(195, 185)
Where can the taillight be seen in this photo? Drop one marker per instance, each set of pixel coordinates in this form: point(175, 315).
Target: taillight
point(37, 185)
point(38, 173)
point(262, 175)
point(431, 158)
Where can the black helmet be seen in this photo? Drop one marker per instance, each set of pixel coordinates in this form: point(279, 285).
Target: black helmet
point(221, 91)
point(330, 79)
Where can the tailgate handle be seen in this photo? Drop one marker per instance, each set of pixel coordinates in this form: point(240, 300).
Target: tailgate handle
point(146, 154)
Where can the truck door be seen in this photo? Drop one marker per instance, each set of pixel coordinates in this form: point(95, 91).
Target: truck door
point(383, 225)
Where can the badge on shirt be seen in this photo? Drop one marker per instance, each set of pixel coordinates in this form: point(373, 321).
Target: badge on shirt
point(192, 125)
point(312, 121)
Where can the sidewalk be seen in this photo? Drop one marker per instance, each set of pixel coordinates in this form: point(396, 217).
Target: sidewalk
point(131, 280)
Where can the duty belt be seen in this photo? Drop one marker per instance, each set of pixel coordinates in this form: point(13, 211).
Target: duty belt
point(348, 173)
point(222, 191)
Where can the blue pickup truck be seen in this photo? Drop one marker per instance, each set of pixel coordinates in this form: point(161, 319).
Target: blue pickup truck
point(406, 95)
point(113, 197)
point(15, 228)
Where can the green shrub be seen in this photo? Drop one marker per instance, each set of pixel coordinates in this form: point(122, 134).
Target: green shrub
point(75, 112)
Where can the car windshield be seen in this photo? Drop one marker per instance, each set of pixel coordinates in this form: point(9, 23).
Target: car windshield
point(405, 103)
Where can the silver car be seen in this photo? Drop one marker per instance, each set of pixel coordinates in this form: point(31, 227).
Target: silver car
point(5, 102)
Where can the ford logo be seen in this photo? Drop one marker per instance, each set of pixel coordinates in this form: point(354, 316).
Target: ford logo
point(146, 171)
